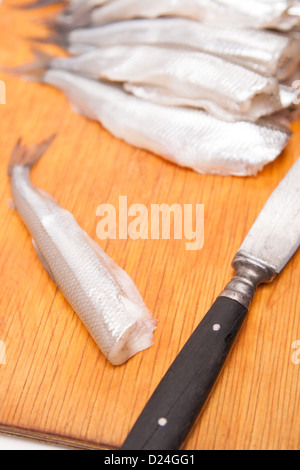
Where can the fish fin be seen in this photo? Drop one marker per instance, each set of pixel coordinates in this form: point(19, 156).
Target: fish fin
point(28, 155)
point(33, 71)
point(43, 261)
point(56, 36)
point(38, 4)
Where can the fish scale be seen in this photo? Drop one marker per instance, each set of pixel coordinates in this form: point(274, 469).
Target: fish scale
point(280, 14)
point(255, 13)
point(187, 137)
point(190, 75)
point(263, 51)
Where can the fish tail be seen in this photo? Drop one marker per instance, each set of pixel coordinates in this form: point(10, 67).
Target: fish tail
point(69, 19)
point(57, 36)
point(33, 71)
point(39, 4)
point(27, 156)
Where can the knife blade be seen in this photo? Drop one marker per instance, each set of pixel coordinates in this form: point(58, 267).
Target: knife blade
point(182, 393)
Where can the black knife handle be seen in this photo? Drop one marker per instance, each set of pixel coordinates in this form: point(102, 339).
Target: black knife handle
point(177, 401)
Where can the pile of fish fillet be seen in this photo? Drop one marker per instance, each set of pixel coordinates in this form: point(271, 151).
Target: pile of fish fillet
point(211, 85)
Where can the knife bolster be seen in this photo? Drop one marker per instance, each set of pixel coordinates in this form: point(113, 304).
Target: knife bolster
point(250, 273)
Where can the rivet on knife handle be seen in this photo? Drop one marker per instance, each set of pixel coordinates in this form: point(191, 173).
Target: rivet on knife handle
point(180, 396)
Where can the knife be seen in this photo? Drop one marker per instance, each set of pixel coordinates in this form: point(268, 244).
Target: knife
point(180, 396)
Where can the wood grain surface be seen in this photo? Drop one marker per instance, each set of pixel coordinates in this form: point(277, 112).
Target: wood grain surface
point(56, 385)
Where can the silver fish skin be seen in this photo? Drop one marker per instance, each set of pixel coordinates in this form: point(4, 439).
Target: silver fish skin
point(162, 96)
point(295, 10)
point(248, 13)
point(101, 293)
point(288, 96)
point(227, 90)
point(263, 51)
point(288, 8)
point(187, 137)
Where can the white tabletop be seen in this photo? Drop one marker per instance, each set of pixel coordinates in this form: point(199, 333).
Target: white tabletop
point(19, 443)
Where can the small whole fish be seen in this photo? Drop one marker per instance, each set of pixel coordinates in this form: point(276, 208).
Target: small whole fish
point(226, 90)
point(248, 13)
point(187, 137)
point(102, 294)
point(266, 52)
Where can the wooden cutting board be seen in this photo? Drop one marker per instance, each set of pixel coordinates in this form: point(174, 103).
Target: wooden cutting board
point(56, 385)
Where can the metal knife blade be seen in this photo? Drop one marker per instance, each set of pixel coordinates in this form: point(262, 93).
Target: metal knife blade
point(271, 242)
point(182, 393)
point(275, 235)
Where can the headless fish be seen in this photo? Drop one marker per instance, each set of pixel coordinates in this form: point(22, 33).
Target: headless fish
point(187, 137)
point(226, 90)
point(266, 52)
point(248, 13)
point(162, 96)
point(101, 293)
